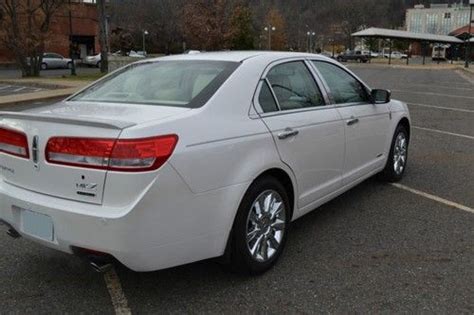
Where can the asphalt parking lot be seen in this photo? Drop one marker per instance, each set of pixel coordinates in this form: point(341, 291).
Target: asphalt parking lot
point(377, 248)
point(9, 89)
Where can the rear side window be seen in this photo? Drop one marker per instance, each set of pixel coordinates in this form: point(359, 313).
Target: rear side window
point(294, 86)
point(185, 83)
point(266, 99)
point(343, 86)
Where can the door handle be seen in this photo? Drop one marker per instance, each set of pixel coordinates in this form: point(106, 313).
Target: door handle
point(352, 121)
point(288, 133)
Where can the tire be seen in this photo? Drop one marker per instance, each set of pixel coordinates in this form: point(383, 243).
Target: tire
point(99, 64)
point(69, 65)
point(240, 250)
point(44, 66)
point(394, 171)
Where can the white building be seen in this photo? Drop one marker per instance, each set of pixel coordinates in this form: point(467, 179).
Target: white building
point(440, 19)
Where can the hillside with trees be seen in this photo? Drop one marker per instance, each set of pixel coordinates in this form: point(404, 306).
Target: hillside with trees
point(175, 25)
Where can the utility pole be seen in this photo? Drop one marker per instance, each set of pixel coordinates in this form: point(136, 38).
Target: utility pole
point(468, 38)
point(71, 51)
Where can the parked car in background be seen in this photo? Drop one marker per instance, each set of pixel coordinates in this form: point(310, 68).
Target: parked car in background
point(440, 52)
point(371, 54)
point(132, 167)
point(93, 61)
point(137, 54)
point(374, 54)
point(191, 52)
point(327, 54)
point(55, 61)
point(353, 56)
point(396, 55)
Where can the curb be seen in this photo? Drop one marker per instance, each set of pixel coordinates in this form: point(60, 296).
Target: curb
point(36, 97)
point(51, 86)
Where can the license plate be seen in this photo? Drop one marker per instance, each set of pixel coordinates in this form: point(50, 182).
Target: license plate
point(37, 224)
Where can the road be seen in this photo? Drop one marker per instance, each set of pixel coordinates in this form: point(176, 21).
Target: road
point(377, 248)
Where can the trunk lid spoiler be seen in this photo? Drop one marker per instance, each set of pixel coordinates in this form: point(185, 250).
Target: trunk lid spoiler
point(95, 122)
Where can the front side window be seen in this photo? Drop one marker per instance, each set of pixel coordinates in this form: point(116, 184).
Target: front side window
point(186, 83)
point(294, 86)
point(343, 86)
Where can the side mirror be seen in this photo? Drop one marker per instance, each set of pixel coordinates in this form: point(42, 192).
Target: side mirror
point(381, 96)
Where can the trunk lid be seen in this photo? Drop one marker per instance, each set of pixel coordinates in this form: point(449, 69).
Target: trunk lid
point(70, 119)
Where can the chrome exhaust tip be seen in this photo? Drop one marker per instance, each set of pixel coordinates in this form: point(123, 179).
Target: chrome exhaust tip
point(13, 233)
point(100, 267)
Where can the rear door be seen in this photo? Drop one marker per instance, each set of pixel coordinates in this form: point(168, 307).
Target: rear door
point(36, 174)
point(366, 124)
point(309, 135)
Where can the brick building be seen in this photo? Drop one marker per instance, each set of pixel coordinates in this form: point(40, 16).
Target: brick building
point(85, 32)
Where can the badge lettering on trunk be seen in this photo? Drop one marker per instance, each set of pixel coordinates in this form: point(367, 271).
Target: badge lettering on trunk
point(34, 152)
point(86, 187)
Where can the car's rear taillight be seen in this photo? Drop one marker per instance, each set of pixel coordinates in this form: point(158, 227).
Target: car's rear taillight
point(14, 143)
point(124, 155)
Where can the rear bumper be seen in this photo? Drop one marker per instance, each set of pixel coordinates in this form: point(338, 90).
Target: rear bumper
point(167, 227)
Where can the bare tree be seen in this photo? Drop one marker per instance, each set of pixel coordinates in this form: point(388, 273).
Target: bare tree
point(104, 54)
point(26, 25)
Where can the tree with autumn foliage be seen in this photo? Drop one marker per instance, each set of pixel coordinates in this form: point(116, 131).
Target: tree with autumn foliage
point(205, 24)
point(241, 34)
point(275, 19)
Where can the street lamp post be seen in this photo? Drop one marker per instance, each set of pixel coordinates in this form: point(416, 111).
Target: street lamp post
point(332, 42)
point(468, 39)
point(270, 29)
point(310, 34)
point(145, 33)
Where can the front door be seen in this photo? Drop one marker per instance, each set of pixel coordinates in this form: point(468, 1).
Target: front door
point(309, 135)
point(366, 124)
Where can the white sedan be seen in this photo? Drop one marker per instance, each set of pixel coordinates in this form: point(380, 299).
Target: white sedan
point(93, 60)
point(178, 159)
point(396, 55)
point(55, 61)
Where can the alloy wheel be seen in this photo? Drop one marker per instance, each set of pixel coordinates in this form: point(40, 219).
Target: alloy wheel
point(266, 225)
point(400, 153)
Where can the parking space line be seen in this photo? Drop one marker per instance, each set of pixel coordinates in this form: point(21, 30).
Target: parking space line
point(435, 94)
point(434, 198)
point(4, 87)
point(445, 132)
point(441, 107)
point(441, 86)
point(465, 76)
point(119, 301)
point(21, 88)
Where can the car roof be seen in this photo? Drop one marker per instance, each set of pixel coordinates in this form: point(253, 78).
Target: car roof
point(240, 56)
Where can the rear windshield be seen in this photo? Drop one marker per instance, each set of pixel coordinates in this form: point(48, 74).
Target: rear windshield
point(187, 83)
